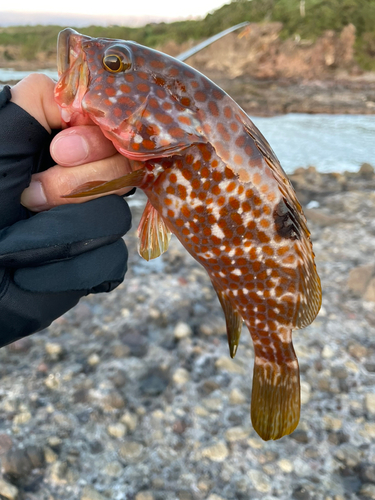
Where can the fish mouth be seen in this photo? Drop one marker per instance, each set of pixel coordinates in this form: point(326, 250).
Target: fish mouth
point(73, 74)
point(63, 49)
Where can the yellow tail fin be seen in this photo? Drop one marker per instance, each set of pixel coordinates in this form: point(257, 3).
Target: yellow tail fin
point(275, 402)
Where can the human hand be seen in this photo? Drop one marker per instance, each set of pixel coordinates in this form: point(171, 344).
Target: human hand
point(49, 260)
point(83, 147)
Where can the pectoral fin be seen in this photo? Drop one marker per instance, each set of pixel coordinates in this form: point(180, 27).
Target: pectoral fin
point(154, 236)
point(233, 320)
point(134, 179)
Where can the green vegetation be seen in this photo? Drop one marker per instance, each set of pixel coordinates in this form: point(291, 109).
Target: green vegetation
point(319, 15)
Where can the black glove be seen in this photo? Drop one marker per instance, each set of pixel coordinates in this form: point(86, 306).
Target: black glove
point(49, 260)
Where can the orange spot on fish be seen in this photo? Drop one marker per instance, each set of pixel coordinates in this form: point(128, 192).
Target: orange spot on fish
point(173, 177)
point(143, 87)
point(216, 190)
point(126, 101)
point(174, 72)
point(184, 119)
point(161, 93)
point(143, 75)
point(176, 132)
point(162, 118)
point(182, 192)
point(107, 102)
point(236, 217)
point(129, 77)
point(234, 203)
point(214, 110)
point(238, 160)
point(185, 101)
point(157, 64)
point(125, 88)
point(200, 96)
point(231, 187)
point(229, 173)
point(117, 112)
point(240, 141)
point(186, 212)
point(223, 132)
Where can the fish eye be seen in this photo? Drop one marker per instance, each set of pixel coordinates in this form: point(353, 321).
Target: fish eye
point(116, 60)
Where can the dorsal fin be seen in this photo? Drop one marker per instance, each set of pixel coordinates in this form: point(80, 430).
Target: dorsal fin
point(153, 234)
point(233, 320)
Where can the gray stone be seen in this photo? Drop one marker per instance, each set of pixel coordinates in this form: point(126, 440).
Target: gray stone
point(17, 463)
point(154, 382)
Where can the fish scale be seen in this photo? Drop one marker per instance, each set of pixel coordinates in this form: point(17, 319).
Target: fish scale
point(212, 180)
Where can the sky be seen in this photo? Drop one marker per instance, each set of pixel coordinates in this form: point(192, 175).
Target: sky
point(155, 8)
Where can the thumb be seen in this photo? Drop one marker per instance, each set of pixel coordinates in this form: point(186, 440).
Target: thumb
point(35, 95)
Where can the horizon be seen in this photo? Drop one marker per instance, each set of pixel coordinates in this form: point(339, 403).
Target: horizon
point(134, 15)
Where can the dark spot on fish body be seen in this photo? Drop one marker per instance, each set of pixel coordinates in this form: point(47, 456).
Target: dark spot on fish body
point(286, 221)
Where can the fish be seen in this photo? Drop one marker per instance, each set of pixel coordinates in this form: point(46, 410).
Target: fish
point(213, 181)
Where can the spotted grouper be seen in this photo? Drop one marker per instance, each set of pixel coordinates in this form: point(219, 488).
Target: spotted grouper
point(212, 180)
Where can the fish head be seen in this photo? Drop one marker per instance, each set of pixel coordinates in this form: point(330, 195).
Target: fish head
point(135, 94)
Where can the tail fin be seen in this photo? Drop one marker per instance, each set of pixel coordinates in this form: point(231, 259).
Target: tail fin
point(275, 403)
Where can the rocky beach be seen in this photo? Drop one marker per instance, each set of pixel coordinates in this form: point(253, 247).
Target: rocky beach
point(132, 395)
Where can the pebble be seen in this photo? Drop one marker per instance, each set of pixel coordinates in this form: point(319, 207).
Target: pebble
point(130, 420)
point(260, 481)
point(131, 451)
point(229, 365)
point(182, 330)
point(93, 360)
point(113, 469)
point(213, 496)
point(117, 430)
point(237, 397)
point(22, 418)
point(8, 490)
point(285, 465)
point(370, 403)
point(90, 493)
point(181, 376)
point(54, 351)
point(49, 455)
point(368, 490)
point(216, 453)
point(144, 495)
point(332, 423)
point(236, 434)
point(305, 392)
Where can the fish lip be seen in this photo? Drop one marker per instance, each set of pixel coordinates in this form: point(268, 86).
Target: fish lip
point(63, 49)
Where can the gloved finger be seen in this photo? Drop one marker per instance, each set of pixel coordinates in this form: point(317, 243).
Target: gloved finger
point(64, 232)
point(82, 144)
point(47, 188)
point(97, 271)
point(23, 313)
point(17, 146)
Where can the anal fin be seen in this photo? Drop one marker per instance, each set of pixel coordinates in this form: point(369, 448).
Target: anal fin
point(134, 179)
point(153, 234)
point(233, 320)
